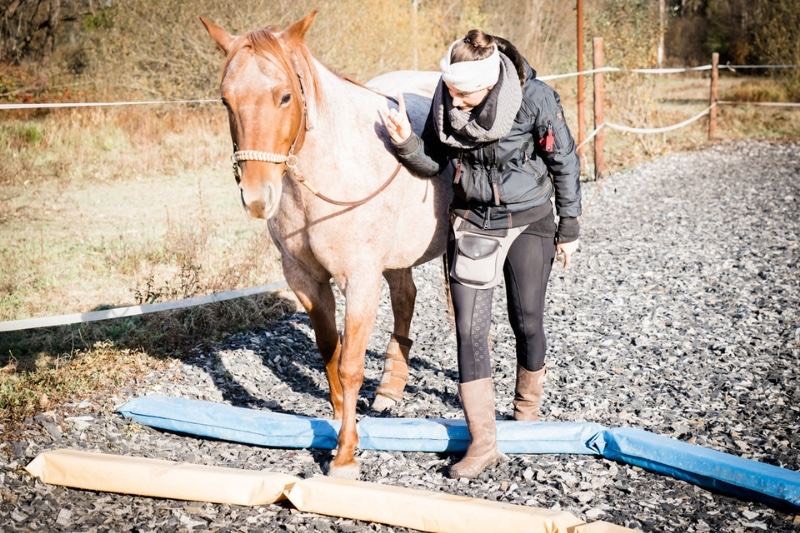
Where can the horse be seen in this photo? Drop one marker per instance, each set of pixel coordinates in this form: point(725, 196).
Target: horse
point(311, 156)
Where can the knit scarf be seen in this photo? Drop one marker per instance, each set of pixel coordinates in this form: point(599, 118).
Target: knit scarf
point(487, 122)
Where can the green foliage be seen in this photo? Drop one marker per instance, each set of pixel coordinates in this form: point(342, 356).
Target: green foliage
point(20, 134)
point(31, 134)
point(629, 29)
point(100, 20)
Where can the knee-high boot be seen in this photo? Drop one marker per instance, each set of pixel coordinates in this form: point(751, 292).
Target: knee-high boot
point(477, 398)
point(528, 394)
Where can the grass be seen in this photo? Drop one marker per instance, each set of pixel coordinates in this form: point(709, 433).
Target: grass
point(112, 207)
point(42, 368)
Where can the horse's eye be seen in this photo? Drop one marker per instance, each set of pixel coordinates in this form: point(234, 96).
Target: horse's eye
point(285, 99)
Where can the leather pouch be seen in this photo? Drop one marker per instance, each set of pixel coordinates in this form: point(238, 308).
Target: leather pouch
point(478, 259)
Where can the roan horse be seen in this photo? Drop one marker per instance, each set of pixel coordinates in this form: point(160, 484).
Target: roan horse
point(311, 156)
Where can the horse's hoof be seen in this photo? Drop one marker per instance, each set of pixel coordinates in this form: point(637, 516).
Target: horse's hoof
point(383, 403)
point(348, 471)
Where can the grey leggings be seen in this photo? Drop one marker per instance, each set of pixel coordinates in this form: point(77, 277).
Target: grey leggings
point(526, 271)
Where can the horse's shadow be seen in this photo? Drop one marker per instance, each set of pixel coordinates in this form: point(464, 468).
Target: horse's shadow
point(288, 351)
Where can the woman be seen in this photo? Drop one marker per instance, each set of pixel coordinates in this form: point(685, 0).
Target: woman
point(505, 134)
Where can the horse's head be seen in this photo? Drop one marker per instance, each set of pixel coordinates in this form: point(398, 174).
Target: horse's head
point(267, 87)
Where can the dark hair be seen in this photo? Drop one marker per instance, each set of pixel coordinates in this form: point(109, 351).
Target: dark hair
point(474, 46)
point(478, 45)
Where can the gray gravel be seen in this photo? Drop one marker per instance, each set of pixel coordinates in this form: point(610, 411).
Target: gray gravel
point(679, 316)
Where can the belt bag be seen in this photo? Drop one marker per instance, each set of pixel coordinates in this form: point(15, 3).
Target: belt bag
point(479, 257)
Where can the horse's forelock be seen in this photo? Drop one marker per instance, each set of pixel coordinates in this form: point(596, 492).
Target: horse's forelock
point(267, 43)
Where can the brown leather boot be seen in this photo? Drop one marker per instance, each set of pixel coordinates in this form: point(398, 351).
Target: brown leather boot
point(395, 374)
point(477, 397)
point(528, 395)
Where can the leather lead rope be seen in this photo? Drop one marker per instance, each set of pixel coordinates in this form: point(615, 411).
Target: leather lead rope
point(301, 180)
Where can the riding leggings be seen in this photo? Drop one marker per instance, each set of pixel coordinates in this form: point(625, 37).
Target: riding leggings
point(526, 271)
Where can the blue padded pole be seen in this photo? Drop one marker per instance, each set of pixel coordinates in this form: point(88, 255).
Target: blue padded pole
point(722, 472)
point(712, 469)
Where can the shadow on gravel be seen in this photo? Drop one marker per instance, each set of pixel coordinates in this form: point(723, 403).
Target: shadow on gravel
point(288, 351)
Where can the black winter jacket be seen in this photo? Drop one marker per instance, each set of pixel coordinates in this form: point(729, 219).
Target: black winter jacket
point(509, 182)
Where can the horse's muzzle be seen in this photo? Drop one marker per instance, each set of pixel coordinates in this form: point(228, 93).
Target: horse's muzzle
point(263, 205)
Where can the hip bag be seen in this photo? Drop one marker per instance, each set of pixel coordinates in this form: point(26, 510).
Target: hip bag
point(479, 256)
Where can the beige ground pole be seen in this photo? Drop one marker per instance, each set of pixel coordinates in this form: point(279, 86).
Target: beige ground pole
point(157, 478)
point(419, 509)
point(422, 509)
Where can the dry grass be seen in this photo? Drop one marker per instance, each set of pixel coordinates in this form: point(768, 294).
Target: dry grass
point(42, 368)
point(86, 373)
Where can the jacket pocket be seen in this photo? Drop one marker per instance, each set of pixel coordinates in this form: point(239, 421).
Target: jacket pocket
point(520, 183)
point(476, 185)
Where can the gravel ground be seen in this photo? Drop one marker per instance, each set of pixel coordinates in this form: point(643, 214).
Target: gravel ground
point(679, 316)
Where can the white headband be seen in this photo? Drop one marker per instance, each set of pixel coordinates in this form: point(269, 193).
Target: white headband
point(470, 76)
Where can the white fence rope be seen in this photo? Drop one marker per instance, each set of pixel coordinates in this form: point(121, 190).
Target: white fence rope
point(675, 70)
point(679, 125)
point(103, 104)
point(591, 135)
point(581, 73)
point(765, 104)
point(136, 310)
point(672, 70)
point(734, 67)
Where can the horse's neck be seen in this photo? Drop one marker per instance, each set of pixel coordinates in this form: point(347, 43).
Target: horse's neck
point(346, 124)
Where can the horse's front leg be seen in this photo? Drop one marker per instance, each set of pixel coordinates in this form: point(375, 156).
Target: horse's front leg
point(395, 366)
point(317, 298)
point(361, 305)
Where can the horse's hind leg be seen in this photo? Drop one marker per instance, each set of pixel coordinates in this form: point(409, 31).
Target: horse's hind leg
point(395, 367)
point(318, 300)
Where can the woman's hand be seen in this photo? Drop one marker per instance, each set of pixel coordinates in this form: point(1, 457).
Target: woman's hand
point(396, 121)
point(564, 252)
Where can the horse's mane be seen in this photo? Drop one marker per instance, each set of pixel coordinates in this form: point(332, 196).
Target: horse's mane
point(265, 42)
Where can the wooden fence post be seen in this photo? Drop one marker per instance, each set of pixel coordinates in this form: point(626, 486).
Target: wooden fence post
point(581, 90)
point(599, 96)
point(712, 97)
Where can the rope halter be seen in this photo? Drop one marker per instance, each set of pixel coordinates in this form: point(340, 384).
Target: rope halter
point(268, 157)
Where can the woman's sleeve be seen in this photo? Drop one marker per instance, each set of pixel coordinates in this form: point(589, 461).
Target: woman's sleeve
point(424, 155)
point(556, 147)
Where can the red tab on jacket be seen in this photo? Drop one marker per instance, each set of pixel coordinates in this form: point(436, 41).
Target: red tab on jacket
point(548, 142)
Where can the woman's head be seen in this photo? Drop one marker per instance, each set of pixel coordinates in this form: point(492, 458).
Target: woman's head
point(470, 68)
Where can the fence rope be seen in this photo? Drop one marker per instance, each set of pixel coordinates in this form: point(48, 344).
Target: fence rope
point(664, 129)
point(591, 135)
point(580, 73)
point(672, 70)
point(764, 104)
point(56, 105)
point(734, 67)
point(136, 310)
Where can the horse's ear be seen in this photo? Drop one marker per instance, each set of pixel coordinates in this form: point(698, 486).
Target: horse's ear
point(220, 36)
point(297, 31)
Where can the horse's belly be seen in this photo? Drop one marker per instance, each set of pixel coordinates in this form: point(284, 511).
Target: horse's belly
point(421, 226)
